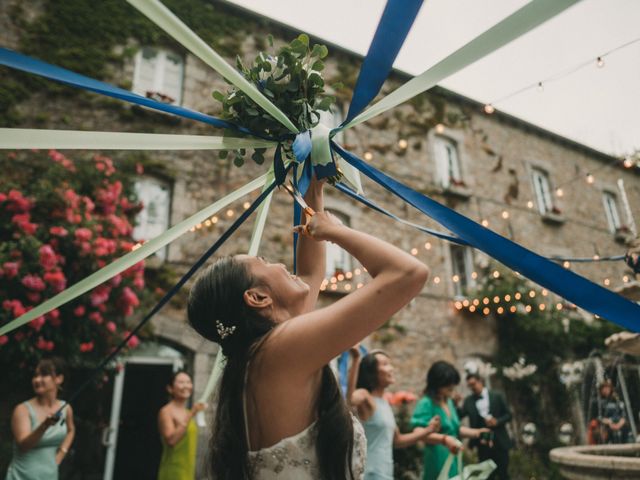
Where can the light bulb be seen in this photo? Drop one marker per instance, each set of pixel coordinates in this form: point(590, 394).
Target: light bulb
point(489, 109)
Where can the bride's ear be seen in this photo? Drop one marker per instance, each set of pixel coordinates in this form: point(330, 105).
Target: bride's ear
point(257, 298)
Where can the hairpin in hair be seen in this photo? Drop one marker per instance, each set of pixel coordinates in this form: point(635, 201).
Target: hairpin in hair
point(223, 331)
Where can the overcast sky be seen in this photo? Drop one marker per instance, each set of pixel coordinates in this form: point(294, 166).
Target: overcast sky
point(599, 107)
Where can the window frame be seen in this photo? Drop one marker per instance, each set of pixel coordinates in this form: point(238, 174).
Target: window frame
point(464, 284)
point(162, 254)
point(159, 73)
point(450, 173)
point(539, 190)
point(609, 200)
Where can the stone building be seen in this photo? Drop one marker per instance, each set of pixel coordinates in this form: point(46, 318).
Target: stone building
point(548, 193)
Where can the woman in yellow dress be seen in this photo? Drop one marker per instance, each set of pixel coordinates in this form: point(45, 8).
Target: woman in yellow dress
point(178, 431)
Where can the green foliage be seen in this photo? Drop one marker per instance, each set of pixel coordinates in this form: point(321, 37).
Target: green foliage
point(291, 80)
point(543, 338)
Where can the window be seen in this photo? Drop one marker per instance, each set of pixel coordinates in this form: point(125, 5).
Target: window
point(158, 75)
point(338, 260)
point(542, 188)
point(448, 163)
point(153, 219)
point(333, 119)
point(610, 201)
point(461, 268)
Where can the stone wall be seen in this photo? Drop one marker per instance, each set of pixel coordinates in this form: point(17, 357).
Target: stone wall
point(497, 155)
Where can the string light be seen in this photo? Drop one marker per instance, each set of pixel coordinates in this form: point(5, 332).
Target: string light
point(349, 275)
point(500, 310)
point(360, 285)
point(513, 309)
point(485, 223)
point(529, 204)
point(628, 162)
point(474, 275)
point(246, 205)
point(590, 179)
point(489, 109)
point(485, 301)
point(472, 309)
point(507, 298)
point(347, 287)
point(402, 143)
point(600, 62)
point(496, 274)
point(496, 299)
point(357, 271)
point(207, 223)
point(532, 293)
point(607, 282)
point(214, 219)
point(458, 305)
point(542, 307)
point(455, 279)
point(544, 292)
point(566, 264)
point(440, 128)
point(559, 192)
point(230, 213)
point(505, 214)
point(517, 296)
point(486, 311)
point(427, 246)
point(340, 277)
point(559, 306)
point(625, 279)
point(368, 156)
point(436, 280)
point(414, 251)
point(527, 308)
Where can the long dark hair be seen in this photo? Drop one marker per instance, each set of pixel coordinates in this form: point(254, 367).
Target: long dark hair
point(368, 371)
point(441, 374)
point(217, 296)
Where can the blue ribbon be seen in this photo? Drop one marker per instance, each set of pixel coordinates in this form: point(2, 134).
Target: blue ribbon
point(343, 368)
point(394, 26)
point(369, 203)
point(567, 284)
point(18, 61)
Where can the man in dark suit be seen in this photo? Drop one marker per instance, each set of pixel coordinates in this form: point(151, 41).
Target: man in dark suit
point(489, 409)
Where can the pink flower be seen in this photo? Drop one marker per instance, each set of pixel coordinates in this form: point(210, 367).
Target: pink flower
point(83, 234)
point(104, 246)
point(56, 280)
point(10, 269)
point(96, 318)
point(3, 197)
point(48, 258)
point(138, 282)
point(58, 231)
point(33, 297)
point(15, 307)
point(111, 326)
point(139, 168)
point(79, 310)
point(46, 345)
point(37, 323)
point(100, 295)
point(19, 336)
point(86, 347)
point(54, 318)
point(33, 282)
point(18, 203)
point(3, 340)
point(22, 221)
point(116, 280)
point(133, 342)
point(128, 301)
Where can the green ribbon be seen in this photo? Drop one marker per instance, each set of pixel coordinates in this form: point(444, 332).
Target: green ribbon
point(172, 25)
point(14, 138)
point(512, 27)
point(133, 257)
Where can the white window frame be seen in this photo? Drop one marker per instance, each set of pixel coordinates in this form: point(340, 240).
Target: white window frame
point(542, 189)
point(448, 162)
point(335, 252)
point(464, 272)
point(611, 211)
point(143, 230)
point(158, 84)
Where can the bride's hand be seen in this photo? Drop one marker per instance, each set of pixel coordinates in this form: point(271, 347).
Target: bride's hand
point(320, 227)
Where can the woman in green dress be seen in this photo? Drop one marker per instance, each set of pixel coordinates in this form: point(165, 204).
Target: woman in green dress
point(41, 439)
point(178, 431)
point(442, 380)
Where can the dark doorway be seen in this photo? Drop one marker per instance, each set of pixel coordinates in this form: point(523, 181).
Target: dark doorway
point(138, 445)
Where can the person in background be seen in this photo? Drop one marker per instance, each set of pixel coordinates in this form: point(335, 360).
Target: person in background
point(178, 431)
point(442, 379)
point(486, 408)
point(41, 439)
point(611, 418)
point(375, 374)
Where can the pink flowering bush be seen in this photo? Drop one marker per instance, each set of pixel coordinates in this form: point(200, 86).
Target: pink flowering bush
point(60, 221)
